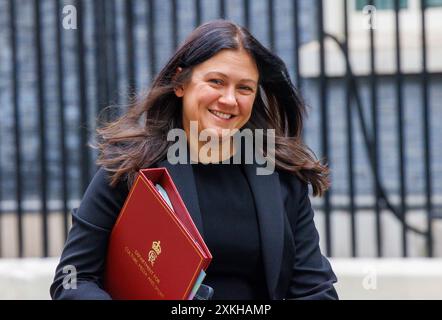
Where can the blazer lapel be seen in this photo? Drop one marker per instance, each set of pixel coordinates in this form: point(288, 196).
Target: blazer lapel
point(182, 175)
point(267, 195)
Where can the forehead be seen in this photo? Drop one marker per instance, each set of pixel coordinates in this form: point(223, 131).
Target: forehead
point(233, 63)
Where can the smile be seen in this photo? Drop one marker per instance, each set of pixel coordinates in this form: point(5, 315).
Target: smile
point(221, 115)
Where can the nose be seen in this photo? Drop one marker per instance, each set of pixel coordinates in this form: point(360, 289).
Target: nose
point(228, 97)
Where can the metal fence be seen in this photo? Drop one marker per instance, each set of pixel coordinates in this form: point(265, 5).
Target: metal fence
point(105, 54)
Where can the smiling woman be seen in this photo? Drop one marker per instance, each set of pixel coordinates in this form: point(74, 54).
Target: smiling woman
point(220, 94)
point(259, 228)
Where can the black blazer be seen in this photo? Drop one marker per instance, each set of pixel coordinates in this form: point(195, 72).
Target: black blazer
point(293, 263)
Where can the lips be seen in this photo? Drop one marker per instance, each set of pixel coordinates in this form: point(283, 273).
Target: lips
point(222, 115)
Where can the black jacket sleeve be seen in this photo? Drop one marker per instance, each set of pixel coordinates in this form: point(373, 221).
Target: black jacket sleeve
point(312, 275)
point(82, 262)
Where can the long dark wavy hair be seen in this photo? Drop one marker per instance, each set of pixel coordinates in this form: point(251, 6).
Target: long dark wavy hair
point(138, 139)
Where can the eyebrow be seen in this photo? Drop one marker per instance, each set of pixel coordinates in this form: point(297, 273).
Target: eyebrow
point(225, 76)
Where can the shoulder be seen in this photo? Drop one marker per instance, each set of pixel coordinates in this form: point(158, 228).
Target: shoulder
point(292, 183)
point(102, 202)
point(101, 183)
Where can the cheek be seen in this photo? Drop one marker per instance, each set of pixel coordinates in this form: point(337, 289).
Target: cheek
point(189, 112)
point(203, 98)
point(208, 96)
point(246, 105)
point(200, 99)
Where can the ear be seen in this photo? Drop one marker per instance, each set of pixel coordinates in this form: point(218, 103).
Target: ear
point(179, 90)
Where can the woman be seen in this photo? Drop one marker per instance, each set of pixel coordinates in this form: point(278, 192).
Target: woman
point(259, 228)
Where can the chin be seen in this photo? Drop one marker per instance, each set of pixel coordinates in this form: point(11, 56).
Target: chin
point(218, 132)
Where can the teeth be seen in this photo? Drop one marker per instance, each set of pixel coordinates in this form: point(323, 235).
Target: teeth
point(221, 115)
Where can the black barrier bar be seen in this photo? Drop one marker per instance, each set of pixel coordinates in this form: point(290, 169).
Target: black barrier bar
point(83, 105)
point(100, 63)
point(374, 151)
point(296, 50)
point(246, 13)
point(61, 116)
point(2, 44)
point(296, 43)
point(151, 38)
point(198, 13)
point(350, 132)
point(130, 50)
point(1, 193)
point(426, 130)
point(100, 39)
point(401, 129)
point(42, 125)
point(174, 18)
point(17, 126)
point(323, 90)
point(271, 24)
point(1, 190)
point(112, 58)
point(222, 9)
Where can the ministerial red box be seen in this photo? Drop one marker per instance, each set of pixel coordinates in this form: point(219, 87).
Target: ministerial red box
point(155, 252)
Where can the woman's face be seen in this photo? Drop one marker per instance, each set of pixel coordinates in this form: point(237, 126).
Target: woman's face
point(221, 92)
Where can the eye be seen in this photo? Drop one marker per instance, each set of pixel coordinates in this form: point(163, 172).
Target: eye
point(216, 81)
point(246, 88)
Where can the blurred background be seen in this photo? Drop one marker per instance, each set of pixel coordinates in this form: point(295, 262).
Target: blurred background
point(369, 71)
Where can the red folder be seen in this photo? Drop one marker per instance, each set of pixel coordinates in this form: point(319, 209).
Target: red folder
point(155, 252)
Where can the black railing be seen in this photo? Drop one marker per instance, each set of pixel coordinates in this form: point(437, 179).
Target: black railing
point(111, 27)
point(372, 140)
